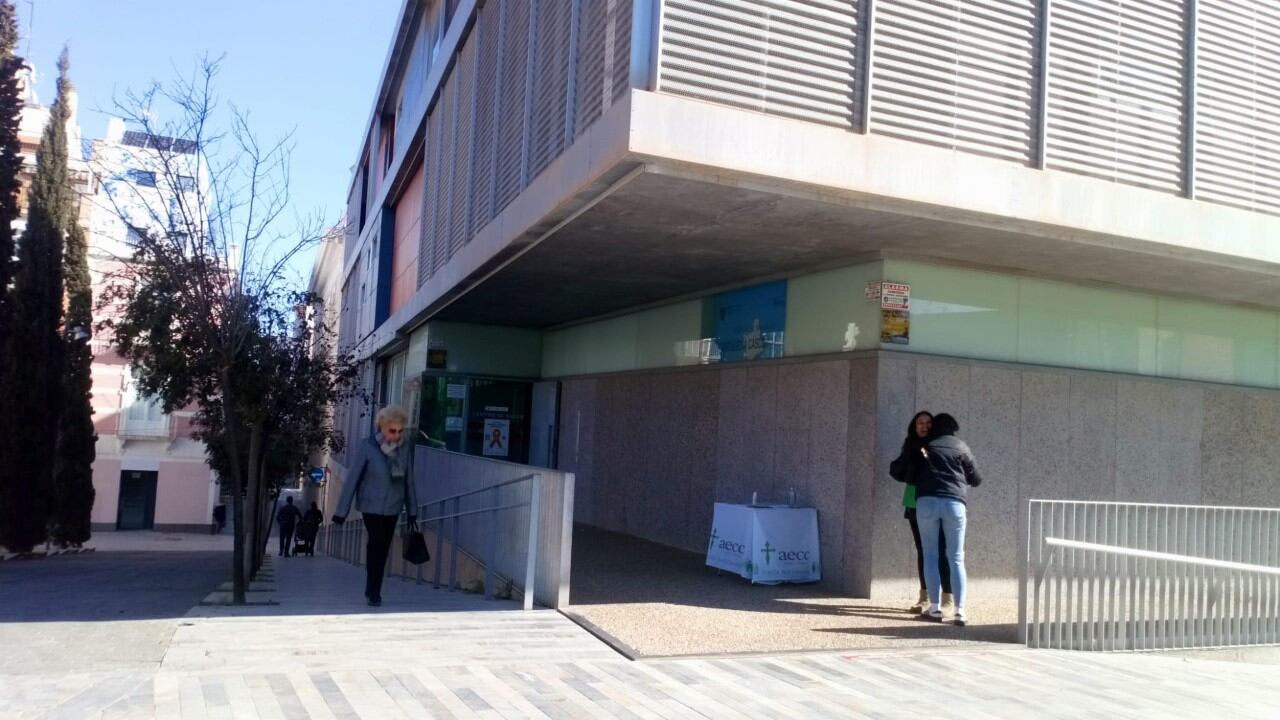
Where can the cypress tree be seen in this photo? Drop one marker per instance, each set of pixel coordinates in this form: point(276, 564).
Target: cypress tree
point(10, 166)
point(10, 148)
point(77, 442)
point(35, 354)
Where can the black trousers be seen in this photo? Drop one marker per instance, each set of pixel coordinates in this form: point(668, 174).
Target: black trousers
point(381, 529)
point(286, 538)
point(943, 567)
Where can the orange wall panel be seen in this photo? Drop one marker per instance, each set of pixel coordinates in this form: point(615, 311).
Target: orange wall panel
point(404, 249)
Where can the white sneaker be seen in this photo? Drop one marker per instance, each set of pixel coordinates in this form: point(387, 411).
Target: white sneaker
point(960, 618)
point(934, 613)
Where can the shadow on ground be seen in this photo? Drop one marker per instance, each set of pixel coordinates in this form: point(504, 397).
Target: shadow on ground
point(107, 586)
point(653, 600)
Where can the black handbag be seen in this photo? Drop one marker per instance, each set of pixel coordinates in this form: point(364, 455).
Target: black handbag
point(415, 548)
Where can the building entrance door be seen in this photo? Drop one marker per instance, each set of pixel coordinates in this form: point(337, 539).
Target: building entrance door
point(137, 510)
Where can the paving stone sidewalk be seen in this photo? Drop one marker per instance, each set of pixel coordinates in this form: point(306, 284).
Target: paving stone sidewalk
point(321, 653)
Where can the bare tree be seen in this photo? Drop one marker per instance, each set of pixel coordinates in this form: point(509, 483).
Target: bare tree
point(197, 303)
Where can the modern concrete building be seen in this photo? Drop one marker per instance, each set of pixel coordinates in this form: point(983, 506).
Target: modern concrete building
point(692, 249)
point(149, 472)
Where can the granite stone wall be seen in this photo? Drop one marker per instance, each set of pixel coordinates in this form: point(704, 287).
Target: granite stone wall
point(653, 450)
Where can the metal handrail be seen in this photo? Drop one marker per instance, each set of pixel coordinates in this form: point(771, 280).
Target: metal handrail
point(534, 504)
point(494, 486)
point(1100, 575)
point(1169, 557)
point(345, 542)
point(471, 512)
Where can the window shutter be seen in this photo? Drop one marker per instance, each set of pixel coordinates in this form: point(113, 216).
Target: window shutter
point(782, 57)
point(957, 73)
point(1116, 90)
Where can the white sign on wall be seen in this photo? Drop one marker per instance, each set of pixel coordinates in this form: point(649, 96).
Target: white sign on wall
point(895, 296)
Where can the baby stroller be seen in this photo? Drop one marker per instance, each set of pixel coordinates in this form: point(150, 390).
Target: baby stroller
point(305, 538)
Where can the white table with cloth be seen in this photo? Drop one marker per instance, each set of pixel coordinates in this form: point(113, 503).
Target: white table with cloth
point(766, 544)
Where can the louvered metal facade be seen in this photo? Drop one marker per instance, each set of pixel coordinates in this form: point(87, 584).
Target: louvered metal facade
point(794, 58)
point(959, 73)
point(530, 78)
point(1180, 96)
point(1116, 90)
point(1238, 103)
point(1172, 95)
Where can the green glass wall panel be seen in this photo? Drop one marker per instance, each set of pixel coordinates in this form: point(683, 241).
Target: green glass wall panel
point(959, 312)
point(487, 349)
point(602, 346)
point(962, 313)
point(1204, 341)
point(669, 335)
point(1085, 327)
point(826, 311)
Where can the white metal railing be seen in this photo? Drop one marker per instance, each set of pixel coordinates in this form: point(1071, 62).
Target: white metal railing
point(144, 427)
point(348, 541)
point(1128, 576)
point(450, 509)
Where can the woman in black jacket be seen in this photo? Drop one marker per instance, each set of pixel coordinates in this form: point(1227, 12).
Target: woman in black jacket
point(944, 473)
point(903, 470)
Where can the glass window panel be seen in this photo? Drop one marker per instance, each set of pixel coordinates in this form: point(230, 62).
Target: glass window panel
point(670, 335)
point(826, 311)
point(959, 312)
point(1085, 327)
point(1217, 343)
point(746, 324)
point(602, 346)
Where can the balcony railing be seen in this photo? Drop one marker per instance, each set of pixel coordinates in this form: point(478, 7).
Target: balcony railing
point(145, 427)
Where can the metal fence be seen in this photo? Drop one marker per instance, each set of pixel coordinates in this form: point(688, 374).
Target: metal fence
point(473, 483)
point(514, 521)
point(1128, 576)
point(444, 517)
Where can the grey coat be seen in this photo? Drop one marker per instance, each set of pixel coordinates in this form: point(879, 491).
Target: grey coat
point(370, 484)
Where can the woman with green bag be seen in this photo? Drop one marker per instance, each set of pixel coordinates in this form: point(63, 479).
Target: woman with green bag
point(903, 470)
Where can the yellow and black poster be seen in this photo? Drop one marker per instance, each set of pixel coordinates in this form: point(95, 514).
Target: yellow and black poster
point(895, 326)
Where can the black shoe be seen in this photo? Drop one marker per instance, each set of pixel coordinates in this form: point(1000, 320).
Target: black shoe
point(375, 602)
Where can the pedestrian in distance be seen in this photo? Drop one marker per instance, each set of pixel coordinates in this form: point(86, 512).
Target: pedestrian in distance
point(313, 515)
point(381, 484)
point(219, 518)
point(287, 517)
point(945, 472)
point(902, 469)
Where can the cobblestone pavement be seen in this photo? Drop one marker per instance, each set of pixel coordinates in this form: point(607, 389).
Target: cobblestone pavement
point(318, 652)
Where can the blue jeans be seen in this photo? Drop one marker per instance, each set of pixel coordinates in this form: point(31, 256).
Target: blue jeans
point(948, 516)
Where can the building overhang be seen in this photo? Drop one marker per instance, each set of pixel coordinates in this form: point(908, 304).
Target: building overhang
point(667, 197)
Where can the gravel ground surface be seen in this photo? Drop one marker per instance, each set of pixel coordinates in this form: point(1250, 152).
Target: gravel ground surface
point(651, 600)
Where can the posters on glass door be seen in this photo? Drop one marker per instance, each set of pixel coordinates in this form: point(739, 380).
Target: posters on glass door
point(497, 437)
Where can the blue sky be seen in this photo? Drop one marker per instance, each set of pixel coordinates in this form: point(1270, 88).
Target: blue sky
point(307, 65)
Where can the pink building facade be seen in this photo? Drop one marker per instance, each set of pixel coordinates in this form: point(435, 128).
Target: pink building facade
point(150, 474)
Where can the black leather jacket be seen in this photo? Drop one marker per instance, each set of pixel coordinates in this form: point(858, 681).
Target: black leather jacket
point(945, 469)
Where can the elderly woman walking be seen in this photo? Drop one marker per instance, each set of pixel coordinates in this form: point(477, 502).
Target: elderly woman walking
point(380, 481)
